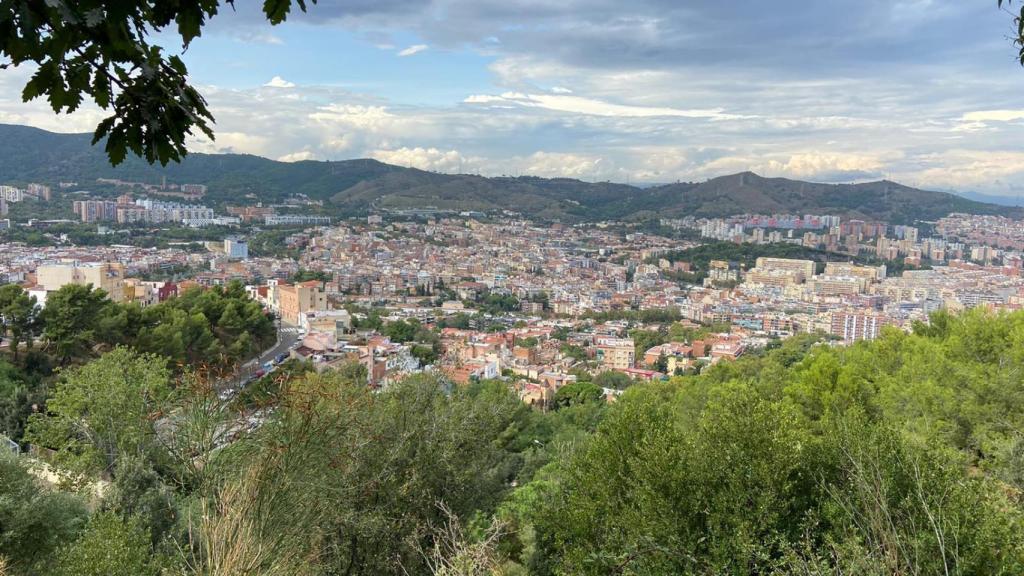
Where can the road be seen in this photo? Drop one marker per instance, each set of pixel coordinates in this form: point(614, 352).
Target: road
point(287, 335)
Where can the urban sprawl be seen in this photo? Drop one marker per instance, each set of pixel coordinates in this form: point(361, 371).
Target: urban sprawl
point(478, 298)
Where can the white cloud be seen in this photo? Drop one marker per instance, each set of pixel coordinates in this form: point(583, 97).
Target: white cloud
point(256, 37)
point(566, 165)
point(235, 142)
point(993, 116)
point(619, 126)
point(562, 102)
point(821, 165)
point(992, 171)
point(297, 156)
point(414, 49)
point(560, 90)
point(373, 119)
point(278, 82)
point(424, 159)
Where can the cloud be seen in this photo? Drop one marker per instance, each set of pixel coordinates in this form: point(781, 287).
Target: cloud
point(566, 165)
point(993, 116)
point(645, 91)
point(297, 156)
point(253, 36)
point(278, 82)
point(414, 49)
point(562, 102)
point(423, 158)
point(233, 142)
point(824, 166)
point(991, 171)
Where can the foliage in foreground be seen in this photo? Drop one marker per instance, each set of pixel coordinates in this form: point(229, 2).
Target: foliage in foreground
point(899, 456)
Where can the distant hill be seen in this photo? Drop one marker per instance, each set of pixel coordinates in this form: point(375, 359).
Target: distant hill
point(993, 199)
point(882, 200)
point(355, 187)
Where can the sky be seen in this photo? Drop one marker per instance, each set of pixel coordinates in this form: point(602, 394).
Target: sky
point(924, 92)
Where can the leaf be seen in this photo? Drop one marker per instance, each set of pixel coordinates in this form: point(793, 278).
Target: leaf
point(40, 83)
point(116, 148)
point(190, 22)
point(276, 10)
point(101, 90)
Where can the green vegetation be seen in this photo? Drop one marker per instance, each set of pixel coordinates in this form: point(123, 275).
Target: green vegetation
point(272, 243)
point(80, 234)
point(349, 188)
point(577, 353)
point(650, 316)
point(743, 255)
point(497, 304)
point(577, 393)
point(897, 456)
point(266, 391)
point(528, 342)
point(34, 521)
point(644, 340)
point(217, 326)
point(1018, 23)
point(76, 59)
point(307, 275)
point(613, 380)
point(208, 329)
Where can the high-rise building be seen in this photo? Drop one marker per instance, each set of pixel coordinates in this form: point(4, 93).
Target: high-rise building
point(236, 249)
point(851, 326)
point(95, 210)
point(39, 191)
point(12, 194)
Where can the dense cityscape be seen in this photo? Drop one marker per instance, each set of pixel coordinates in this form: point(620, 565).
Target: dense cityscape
point(517, 288)
point(543, 304)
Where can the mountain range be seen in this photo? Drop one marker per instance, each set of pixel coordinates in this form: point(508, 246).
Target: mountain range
point(356, 187)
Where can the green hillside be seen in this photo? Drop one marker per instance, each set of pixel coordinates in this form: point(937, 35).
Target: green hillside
point(882, 200)
point(357, 187)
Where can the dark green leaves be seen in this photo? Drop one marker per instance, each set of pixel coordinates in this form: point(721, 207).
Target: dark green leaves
point(277, 10)
point(100, 50)
point(1018, 21)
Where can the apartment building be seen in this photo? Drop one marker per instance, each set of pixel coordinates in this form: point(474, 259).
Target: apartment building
point(804, 267)
point(95, 210)
point(851, 326)
point(293, 300)
point(108, 276)
point(615, 353)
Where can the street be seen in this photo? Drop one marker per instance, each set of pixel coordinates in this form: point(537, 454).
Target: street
point(287, 335)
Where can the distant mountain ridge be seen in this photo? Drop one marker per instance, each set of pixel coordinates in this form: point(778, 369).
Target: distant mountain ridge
point(1016, 201)
point(356, 187)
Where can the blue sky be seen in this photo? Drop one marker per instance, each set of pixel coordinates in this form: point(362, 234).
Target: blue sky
point(925, 92)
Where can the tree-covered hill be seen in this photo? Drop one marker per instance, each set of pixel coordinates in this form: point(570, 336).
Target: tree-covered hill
point(357, 187)
point(882, 200)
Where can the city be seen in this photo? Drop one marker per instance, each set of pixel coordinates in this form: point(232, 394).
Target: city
point(575, 294)
point(516, 288)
